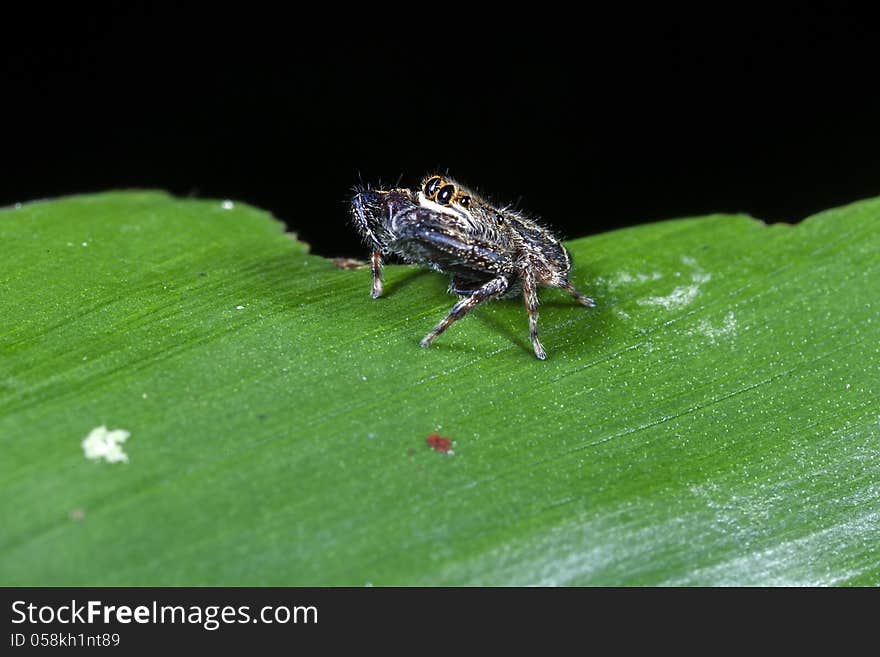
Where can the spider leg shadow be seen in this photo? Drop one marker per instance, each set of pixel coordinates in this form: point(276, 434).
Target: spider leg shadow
point(401, 281)
point(509, 332)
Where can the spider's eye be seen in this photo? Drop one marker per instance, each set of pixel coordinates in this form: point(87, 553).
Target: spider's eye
point(431, 186)
point(465, 201)
point(445, 194)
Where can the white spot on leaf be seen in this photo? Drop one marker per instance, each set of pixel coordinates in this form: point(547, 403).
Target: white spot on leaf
point(625, 278)
point(104, 444)
point(680, 296)
point(716, 333)
point(227, 205)
point(683, 294)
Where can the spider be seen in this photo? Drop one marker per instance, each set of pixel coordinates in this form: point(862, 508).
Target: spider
point(491, 252)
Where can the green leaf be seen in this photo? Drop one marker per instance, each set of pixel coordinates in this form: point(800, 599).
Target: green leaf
point(713, 421)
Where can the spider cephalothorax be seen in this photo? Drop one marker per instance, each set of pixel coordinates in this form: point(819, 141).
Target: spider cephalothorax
point(490, 251)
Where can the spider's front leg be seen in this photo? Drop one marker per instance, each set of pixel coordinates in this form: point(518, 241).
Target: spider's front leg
point(369, 209)
point(376, 269)
point(494, 288)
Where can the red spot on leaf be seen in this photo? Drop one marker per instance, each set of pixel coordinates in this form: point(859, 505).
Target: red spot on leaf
point(439, 443)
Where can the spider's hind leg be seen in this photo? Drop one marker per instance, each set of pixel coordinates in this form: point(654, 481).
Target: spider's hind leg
point(582, 298)
point(530, 295)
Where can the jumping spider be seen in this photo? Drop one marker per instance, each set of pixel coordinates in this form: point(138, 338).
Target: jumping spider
point(491, 252)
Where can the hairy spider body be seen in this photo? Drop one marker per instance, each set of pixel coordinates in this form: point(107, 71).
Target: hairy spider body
point(490, 252)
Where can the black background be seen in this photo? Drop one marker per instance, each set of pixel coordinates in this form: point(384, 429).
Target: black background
point(593, 120)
